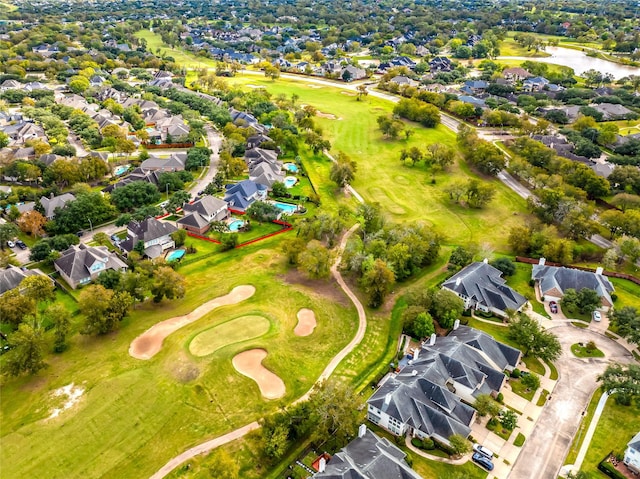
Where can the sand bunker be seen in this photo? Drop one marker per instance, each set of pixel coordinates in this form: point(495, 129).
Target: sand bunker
point(149, 343)
point(249, 363)
point(306, 322)
point(311, 85)
point(73, 395)
point(254, 86)
point(329, 116)
point(234, 331)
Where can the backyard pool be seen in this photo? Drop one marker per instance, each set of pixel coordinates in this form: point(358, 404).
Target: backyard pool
point(175, 255)
point(120, 170)
point(291, 167)
point(235, 225)
point(286, 207)
point(289, 181)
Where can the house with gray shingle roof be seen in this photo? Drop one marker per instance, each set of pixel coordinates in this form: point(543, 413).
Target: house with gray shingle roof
point(50, 204)
point(367, 457)
point(553, 281)
point(241, 195)
point(209, 207)
point(81, 264)
point(266, 174)
point(632, 454)
point(155, 236)
point(482, 287)
point(194, 223)
point(12, 276)
point(175, 162)
point(430, 396)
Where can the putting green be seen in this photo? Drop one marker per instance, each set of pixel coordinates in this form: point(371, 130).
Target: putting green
point(234, 331)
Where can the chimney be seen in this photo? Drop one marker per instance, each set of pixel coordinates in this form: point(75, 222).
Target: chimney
point(387, 399)
point(416, 353)
point(542, 261)
point(362, 430)
point(599, 270)
point(432, 339)
point(322, 465)
point(485, 261)
point(456, 324)
point(51, 195)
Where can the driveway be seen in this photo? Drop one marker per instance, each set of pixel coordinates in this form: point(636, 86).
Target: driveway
point(545, 450)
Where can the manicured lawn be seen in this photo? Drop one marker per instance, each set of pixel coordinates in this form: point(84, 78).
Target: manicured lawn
point(135, 415)
point(405, 193)
point(519, 440)
point(239, 329)
point(534, 365)
point(509, 48)
point(628, 293)
point(155, 45)
point(554, 370)
point(257, 231)
point(520, 282)
point(543, 398)
point(617, 425)
point(499, 430)
point(521, 390)
point(581, 351)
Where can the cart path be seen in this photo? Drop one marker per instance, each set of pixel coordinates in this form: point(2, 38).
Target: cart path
point(212, 444)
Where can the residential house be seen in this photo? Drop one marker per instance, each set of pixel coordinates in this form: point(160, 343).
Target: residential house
point(632, 454)
point(255, 156)
point(612, 111)
point(53, 202)
point(97, 81)
point(10, 85)
point(440, 64)
point(267, 174)
point(175, 162)
point(242, 118)
point(24, 131)
point(155, 236)
point(12, 276)
point(351, 73)
point(534, 84)
point(366, 457)
point(482, 287)
point(475, 87)
point(472, 100)
point(516, 74)
point(553, 281)
point(240, 196)
point(402, 80)
point(255, 141)
point(199, 214)
point(429, 397)
point(81, 264)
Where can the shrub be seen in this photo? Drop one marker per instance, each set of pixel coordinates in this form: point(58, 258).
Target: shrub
point(516, 373)
point(229, 241)
point(500, 397)
point(591, 346)
point(614, 297)
point(428, 444)
point(417, 442)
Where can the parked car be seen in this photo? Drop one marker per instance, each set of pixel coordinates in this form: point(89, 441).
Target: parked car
point(483, 450)
point(483, 460)
point(553, 306)
point(11, 244)
point(596, 316)
point(20, 244)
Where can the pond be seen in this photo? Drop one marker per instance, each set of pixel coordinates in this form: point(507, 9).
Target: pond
point(580, 62)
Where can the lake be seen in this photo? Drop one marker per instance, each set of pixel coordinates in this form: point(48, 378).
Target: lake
point(580, 62)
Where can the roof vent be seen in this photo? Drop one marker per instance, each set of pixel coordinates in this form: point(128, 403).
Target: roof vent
point(542, 261)
point(362, 430)
point(485, 261)
point(414, 373)
point(458, 281)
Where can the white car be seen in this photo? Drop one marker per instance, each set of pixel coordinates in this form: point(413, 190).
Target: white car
point(483, 450)
point(596, 316)
point(11, 244)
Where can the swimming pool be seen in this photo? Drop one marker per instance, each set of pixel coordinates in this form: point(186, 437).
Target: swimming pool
point(120, 170)
point(235, 225)
point(291, 167)
point(175, 255)
point(290, 181)
point(286, 208)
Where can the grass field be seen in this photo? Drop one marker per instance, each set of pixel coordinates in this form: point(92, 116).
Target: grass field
point(237, 330)
point(628, 293)
point(617, 425)
point(135, 415)
point(584, 425)
point(580, 351)
point(509, 48)
point(156, 46)
point(405, 193)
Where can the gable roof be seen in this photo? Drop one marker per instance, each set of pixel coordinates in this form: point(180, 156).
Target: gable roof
point(562, 278)
point(76, 261)
point(50, 204)
point(12, 276)
point(634, 444)
point(484, 284)
point(368, 457)
point(207, 206)
point(146, 230)
point(194, 219)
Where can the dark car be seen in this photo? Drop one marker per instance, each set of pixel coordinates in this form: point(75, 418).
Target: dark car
point(20, 244)
point(79, 234)
point(482, 460)
point(553, 306)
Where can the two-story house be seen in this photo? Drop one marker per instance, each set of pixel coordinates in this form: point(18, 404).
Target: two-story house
point(54, 202)
point(240, 196)
point(632, 454)
point(153, 235)
point(81, 264)
point(199, 214)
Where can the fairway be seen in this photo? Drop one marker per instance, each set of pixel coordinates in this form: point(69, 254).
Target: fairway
point(231, 332)
point(405, 193)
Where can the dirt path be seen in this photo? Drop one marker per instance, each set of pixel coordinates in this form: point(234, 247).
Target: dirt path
point(210, 445)
point(149, 343)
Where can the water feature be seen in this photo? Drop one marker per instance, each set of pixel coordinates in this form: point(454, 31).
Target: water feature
point(290, 167)
point(175, 255)
point(290, 181)
point(120, 170)
point(286, 208)
point(580, 62)
point(235, 225)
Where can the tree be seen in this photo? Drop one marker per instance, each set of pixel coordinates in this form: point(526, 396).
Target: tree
point(103, 308)
point(459, 444)
point(446, 307)
point(586, 300)
point(40, 251)
point(279, 190)
point(60, 317)
point(4, 140)
point(627, 322)
point(343, 170)
point(14, 307)
point(532, 381)
point(8, 231)
point(38, 288)
point(135, 195)
point(486, 406)
point(625, 381)
point(26, 353)
point(223, 466)
point(315, 260)
point(534, 340)
point(362, 92)
point(110, 279)
point(509, 419)
point(461, 257)
point(167, 283)
point(423, 326)
point(336, 411)
point(179, 237)
point(263, 212)
point(316, 142)
point(229, 241)
point(377, 281)
point(78, 84)
point(275, 441)
point(505, 265)
point(177, 200)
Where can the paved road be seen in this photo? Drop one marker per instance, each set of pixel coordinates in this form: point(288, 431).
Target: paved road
point(214, 142)
point(544, 451)
point(210, 445)
point(75, 142)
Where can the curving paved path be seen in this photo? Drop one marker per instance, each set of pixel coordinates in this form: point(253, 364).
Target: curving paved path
point(210, 445)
